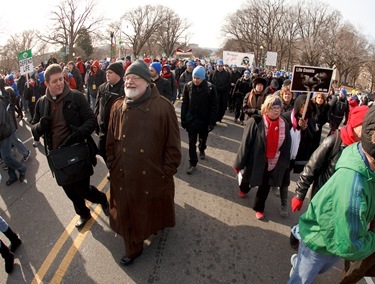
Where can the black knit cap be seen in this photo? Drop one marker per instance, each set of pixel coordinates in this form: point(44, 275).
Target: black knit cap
point(139, 68)
point(368, 129)
point(117, 68)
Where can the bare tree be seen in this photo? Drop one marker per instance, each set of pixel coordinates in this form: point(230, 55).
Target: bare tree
point(144, 22)
point(171, 32)
point(68, 20)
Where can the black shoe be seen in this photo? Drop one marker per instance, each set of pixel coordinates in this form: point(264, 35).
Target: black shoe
point(82, 222)
point(105, 208)
point(10, 181)
point(191, 170)
point(15, 241)
point(21, 178)
point(202, 155)
point(125, 260)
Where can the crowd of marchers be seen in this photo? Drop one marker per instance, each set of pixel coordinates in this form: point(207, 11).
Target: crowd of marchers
point(128, 104)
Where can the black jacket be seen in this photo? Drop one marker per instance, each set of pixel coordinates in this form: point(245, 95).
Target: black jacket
point(320, 167)
point(164, 88)
point(199, 105)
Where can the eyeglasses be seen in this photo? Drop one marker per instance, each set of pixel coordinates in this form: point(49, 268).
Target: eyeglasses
point(134, 79)
point(275, 108)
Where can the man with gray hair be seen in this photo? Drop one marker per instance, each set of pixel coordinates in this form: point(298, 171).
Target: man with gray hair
point(143, 153)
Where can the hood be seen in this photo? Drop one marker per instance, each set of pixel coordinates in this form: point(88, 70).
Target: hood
point(166, 67)
point(95, 63)
point(352, 159)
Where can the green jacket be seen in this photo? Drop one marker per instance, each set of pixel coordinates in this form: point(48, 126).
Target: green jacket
point(337, 219)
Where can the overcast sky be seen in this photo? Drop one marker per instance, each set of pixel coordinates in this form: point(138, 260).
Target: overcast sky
point(206, 16)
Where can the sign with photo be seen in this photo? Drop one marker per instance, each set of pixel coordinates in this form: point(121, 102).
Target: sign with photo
point(239, 58)
point(311, 79)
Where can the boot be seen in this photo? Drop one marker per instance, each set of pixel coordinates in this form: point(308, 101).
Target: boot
point(15, 241)
point(8, 257)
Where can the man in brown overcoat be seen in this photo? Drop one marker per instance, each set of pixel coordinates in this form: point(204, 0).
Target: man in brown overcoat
point(143, 153)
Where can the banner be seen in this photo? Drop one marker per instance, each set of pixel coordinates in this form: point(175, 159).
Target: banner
point(311, 79)
point(25, 59)
point(271, 58)
point(238, 58)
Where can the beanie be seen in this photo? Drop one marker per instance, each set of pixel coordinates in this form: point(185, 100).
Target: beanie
point(117, 68)
point(357, 115)
point(368, 128)
point(139, 68)
point(220, 62)
point(190, 63)
point(147, 60)
point(199, 72)
point(343, 91)
point(156, 66)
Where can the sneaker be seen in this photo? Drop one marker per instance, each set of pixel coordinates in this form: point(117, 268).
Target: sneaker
point(283, 211)
point(241, 194)
point(202, 155)
point(191, 170)
point(36, 143)
point(259, 215)
point(276, 190)
point(26, 158)
point(293, 262)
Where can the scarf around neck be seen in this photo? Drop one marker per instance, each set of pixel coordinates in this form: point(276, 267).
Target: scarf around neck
point(272, 139)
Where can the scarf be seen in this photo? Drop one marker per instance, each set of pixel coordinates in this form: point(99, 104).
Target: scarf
point(166, 75)
point(347, 135)
point(272, 139)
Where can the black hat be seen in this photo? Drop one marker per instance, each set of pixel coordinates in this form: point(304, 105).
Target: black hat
point(260, 80)
point(368, 129)
point(117, 68)
point(139, 68)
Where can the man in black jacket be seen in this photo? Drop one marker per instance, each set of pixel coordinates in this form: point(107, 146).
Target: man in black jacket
point(64, 117)
point(198, 114)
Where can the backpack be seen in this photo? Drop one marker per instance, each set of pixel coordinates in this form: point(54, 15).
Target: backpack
point(340, 108)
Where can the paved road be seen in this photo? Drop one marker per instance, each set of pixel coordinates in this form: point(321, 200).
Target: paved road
point(217, 238)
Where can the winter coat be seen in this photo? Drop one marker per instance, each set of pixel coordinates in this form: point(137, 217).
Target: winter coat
point(336, 221)
point(243, 86)
point(185, 78)
point(143, 153)
point(221, 80)
point(164, 88)
point(320, 167)
point(95, 79)
point(199, 106)
point(251, 155)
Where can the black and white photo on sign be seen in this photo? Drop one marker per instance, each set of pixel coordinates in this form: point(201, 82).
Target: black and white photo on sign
point(241, 59)
point(311, 79)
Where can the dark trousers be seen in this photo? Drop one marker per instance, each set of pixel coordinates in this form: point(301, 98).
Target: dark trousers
point(102, 146)
point(355, 271)
point(81, 190)
point(238, 111)
point(193, 137)
point(133, 249)
point(222, 105)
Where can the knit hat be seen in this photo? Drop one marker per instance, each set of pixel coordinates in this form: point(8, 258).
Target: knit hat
point(220, 62)
point(190, 63)
point(147, 60)
point(117, 68)
point(128, 57)
point(368, 128)
point(199, 72)
point(157, 66)
point(287, 82)
point(246, 72)
point(139, 68)
point(343, 91)
point(357, 115)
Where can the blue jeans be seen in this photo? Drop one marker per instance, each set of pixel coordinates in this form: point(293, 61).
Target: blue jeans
point(3, 225)
point(18, 144)
point(12, 164)
point(310, 264)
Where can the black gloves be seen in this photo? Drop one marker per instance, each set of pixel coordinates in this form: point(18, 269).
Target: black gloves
point(76, 136)
point(44, 124)
point(210, 128)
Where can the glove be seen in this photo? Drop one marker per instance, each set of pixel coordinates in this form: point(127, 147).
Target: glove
point(210, 128)
point(236, 170)
point(296, 204)
point(44, 124)
point(183, 124)
point(76, 137)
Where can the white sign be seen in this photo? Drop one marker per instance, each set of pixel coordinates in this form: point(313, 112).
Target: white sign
point(26, 62)
point(271, 59)
point(239, 58)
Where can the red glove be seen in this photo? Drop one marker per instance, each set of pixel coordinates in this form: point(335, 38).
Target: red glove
point(236, 170)
point(296, 204)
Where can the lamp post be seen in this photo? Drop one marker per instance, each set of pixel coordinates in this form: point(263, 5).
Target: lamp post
point(112, 34)
point(260, 57)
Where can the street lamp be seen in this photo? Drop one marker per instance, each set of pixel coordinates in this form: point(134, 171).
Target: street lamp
point(260, 58)
point(112, 34)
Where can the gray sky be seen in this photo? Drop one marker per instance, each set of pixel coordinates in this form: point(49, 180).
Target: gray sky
point(206, 16)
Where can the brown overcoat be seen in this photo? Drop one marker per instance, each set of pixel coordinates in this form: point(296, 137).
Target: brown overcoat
point(143, 153)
